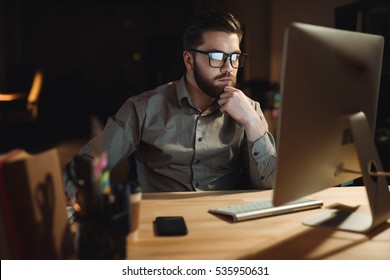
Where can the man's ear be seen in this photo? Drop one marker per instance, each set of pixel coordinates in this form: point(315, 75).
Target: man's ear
point(188, 60)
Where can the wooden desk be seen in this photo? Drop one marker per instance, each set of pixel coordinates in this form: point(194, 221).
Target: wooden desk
point(279, 237)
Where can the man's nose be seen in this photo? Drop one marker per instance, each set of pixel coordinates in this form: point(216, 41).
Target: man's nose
point(227, 67)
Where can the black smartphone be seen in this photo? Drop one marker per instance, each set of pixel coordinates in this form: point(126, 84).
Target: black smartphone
point(170, 226)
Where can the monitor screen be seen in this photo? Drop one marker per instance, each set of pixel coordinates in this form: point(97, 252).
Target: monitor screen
point(329, 94)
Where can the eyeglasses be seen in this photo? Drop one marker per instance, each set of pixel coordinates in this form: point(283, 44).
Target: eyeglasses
point(218, 59)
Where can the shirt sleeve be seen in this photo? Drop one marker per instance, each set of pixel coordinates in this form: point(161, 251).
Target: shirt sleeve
point(262, 161)
point(119, 138)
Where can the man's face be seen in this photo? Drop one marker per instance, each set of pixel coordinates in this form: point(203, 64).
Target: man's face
point(212, 86)
point(212, 81)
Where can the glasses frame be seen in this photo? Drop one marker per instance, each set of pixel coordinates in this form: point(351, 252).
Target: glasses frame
point(228, 56)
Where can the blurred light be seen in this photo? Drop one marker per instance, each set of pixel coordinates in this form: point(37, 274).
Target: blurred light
point(136, 56)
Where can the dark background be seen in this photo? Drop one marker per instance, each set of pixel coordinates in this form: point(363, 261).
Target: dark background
point(94, 54)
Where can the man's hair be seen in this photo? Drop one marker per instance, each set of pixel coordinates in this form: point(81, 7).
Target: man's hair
point(210, 21)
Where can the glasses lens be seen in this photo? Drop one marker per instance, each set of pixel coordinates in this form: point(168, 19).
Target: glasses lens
point(235, 60)
point(217, 59)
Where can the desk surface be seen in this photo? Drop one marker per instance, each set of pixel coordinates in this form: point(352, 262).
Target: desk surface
point(279, 237)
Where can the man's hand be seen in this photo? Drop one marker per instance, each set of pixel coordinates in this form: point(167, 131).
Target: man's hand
point(236, 104)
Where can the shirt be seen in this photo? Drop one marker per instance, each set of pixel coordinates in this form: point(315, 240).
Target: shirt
point(179, 148)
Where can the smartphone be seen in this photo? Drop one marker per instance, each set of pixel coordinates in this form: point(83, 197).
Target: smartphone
point(170, 226)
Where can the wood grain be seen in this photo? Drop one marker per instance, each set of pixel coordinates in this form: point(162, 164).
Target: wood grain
point(280, 237)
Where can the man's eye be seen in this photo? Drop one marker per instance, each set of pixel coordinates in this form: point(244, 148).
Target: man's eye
point(234, 57)
point(216, 56)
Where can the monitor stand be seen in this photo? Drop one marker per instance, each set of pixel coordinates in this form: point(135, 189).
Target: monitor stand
point(376, 187)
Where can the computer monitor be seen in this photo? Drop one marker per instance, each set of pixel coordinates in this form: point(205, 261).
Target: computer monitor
point(329, 93)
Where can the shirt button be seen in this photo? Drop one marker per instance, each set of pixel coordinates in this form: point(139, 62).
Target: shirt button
point(255, 153)
point(197, 184)
point(197, 161)
point(200, 139)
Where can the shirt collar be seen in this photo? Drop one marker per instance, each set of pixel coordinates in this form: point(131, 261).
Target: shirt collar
point(181, 91)
point(184, 97)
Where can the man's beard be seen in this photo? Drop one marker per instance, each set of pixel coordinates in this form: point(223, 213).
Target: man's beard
point(207, 85)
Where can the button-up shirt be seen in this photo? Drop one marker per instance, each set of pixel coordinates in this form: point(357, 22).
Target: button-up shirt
point(179, 148)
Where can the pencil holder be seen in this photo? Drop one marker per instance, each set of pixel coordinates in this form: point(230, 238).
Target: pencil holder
point(103, 214)
point(102, 235)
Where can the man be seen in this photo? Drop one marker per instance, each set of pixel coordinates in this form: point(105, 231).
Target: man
point(198, 133)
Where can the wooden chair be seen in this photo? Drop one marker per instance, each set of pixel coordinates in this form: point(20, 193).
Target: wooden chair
point(21, 106)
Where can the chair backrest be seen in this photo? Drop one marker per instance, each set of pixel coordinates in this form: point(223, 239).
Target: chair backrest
point(131, 168)
point(33, 96)
point(20, 106)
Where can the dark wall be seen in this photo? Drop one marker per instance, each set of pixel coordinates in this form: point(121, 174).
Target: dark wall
point(94, 54)
point(374, 17)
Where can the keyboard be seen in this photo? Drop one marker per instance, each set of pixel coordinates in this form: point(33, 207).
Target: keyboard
point(265, 208)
